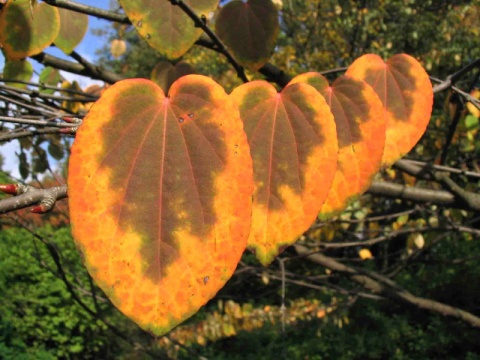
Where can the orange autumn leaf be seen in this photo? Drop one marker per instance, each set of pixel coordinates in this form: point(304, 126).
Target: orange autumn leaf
point(407, 95)
point(357, 111)
point(294, 148)
point(161, 208)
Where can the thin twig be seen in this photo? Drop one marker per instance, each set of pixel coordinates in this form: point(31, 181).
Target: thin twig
point(16, 120)
point(89, 10)
point(393, 234)
point(452, 79)
point(27, 133)
point(379, 284)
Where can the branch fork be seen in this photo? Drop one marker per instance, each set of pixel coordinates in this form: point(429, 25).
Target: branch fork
point(42, 200)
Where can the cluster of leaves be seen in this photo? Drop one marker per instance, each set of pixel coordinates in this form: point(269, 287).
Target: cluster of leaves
point(294, 138)
point(230, 318)
point(27, 27)
point(339, 42)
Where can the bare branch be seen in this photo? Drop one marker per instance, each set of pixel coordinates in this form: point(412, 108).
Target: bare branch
point(76, 68)
point(430, 167)
point(393, 234)
point(414, 194)
point(32, 198)
point(452, 79)
point(27, 133)
point(381, 285)
point(467, 199)
point(89, 10)
point(16, 120)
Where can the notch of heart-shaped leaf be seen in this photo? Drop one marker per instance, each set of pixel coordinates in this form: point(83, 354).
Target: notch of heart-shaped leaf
point(407, 95)
point(26, 29)
point(360, 120)
point(160, 196)
point(249, 29)
point(293, 143)
point(165, 26)
point(165, 74)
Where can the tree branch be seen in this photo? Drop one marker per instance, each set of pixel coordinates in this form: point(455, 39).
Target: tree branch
point(27, 133)
point(402, 231)
point(31, 198)
point(92, 71)
point(89, 10)
point(418, 195)
point(381, 285)
point(391, 190)
point(466, 199)
point(452, 79)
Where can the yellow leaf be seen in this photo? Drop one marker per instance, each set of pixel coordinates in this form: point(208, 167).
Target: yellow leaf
point(265, 278)
point(118, 48)
point(365, 254)
point(415, 241)
point(472, 108)
point(228, 330)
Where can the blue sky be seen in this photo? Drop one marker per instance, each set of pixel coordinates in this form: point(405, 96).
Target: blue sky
point(87, 48)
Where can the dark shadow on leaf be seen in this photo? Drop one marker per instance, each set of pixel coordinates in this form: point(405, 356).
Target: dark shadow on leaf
point(282, 139)
point(398, 88)
point(167, 179)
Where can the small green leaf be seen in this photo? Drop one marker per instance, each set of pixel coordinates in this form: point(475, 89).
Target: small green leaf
point(25, 143)
point(471, 122)
point(23, 166)
point(20, 70)
point(49, 76)
point(40, 161)
point(55, 150)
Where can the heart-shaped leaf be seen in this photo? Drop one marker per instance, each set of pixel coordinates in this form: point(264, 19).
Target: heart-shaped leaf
point(360, 121)
point(18, 70)
point(407, 95)
point(249, 29)
point(293, 143)
point(166, 27)
point(73, 26)
point(160, 196)
point(26, 29)
point(165, 74)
